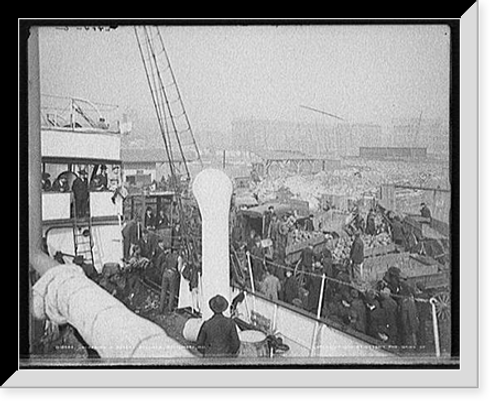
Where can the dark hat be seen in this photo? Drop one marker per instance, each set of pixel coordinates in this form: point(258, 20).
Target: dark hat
point(218, 304)
point(394, 271)
point(422, 204)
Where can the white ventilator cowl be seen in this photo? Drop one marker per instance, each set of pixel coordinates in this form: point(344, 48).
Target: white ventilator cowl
point(212, 189)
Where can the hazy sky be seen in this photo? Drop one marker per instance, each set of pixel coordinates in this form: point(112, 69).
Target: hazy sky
point(361, 73)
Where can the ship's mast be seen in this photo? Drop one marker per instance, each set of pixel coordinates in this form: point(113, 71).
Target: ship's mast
point(175, 127)
point(176, 131)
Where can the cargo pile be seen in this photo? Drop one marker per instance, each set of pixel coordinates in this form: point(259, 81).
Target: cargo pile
point(357, 179)
point(341, 247)
point(299, 236)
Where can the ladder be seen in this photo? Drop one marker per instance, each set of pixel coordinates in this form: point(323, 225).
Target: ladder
point(82, 239)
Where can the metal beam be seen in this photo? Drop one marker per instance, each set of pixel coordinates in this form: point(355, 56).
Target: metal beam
point(322, 112)
point(422, 188)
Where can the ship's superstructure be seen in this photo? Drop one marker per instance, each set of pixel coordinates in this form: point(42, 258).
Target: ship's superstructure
point(82, 190)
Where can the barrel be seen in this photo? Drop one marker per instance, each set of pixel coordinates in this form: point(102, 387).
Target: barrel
point(253, 344)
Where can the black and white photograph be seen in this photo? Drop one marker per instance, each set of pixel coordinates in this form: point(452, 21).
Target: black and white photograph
point(218, 195)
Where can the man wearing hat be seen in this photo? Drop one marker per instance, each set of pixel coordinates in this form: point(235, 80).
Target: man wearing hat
point(424, 210)
point(218, 336)
point(357, 256)
point(80, 193)
point(61, 184)
point(46, 184)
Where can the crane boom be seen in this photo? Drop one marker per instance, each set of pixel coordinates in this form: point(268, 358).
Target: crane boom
point(322, 112)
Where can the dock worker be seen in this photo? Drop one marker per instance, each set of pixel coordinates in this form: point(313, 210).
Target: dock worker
point(130, 234)
point(408, 316)
point(390, 307)
point(268, 217)
point(290, 287)
point(371, 228)
point(359, 308)
point(176, 237)
point(258, 259)
point(424, 210)
point(162, 221)
point(147, 245)
point(306, 258)
point(270, 286)
point(357, 257)
point(218, 336)
point(149, 219)
point(170, 281)
point(397, 230)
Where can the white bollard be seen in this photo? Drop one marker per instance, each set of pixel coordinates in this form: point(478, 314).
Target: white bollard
point(212, 189)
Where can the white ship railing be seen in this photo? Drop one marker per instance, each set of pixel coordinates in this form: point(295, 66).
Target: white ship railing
point(78, 113)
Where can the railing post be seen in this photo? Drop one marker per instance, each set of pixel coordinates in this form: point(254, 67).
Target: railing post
point(321, 295)
point(435, 327)
point(317, 327)
point(252, 281)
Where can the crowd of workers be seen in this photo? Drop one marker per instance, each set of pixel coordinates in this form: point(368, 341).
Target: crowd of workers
point(391, 311)
point(79, 184)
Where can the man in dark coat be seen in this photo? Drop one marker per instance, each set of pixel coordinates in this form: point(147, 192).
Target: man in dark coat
point(306, 259)
point(149, 219)
point(358, 306)
point(371, 228)
point(376, 317)
point(268, 216)
point(160, 256)
point(390, 307)
point(309, 224)
point(176, 237)
point(61, 184)
point(170, 282)
point(424, 210)
point(258, 264)
point(290, 287)
point(409, 324)
point(218, 336)
point(147, 245)
point(81, 194)
point(130, 235)
point(397, 230)
point(357, 256)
